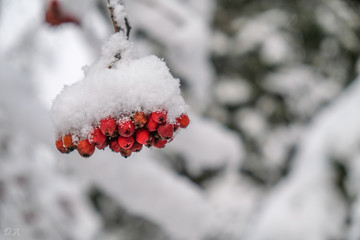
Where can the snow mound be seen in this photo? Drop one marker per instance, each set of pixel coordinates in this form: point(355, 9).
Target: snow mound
point(117, 85)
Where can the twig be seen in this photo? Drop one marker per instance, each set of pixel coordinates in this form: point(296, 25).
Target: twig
point(117, 27)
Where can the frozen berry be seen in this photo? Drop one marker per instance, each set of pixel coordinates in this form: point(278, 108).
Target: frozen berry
point(85, 148)
point(151, 125)
point(68, 143)
point(159, 116)
point(142, 136)
point(140, 119)
point(126, 142)
point(60, 145)
point(136, 147)
point(126, 128)
point(125, 152)
point(114, 145)
point(166, 131)
point(97, 138)
point(103, 146)
point(159, 143)
point(183, 121)
point(108, 126)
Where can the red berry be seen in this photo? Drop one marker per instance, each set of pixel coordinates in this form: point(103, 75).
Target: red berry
point(97, 138)
point(140, 119)
point(126, 142)
point(136, 147)
point(159, 143)
point(108, 126)
point(183, 120)
point(125, 152)
point(126, 128)
point(68, 143)
point(142, 136)
point(60, 145)
point(150, 142)
point(159, 116)
point(103, 146)
point(166, 131)
point(85, 148)
point(114, 145)
point(151, 125)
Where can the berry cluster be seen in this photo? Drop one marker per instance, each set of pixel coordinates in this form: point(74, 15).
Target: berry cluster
point(125, 135)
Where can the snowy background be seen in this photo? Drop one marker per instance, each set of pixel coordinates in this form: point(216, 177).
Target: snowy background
point(272, 151)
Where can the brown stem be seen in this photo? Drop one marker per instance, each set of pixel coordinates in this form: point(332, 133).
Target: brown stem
point(117, 27)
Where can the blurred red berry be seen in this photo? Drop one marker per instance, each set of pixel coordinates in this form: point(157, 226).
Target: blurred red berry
point(159, 143)
point(97, 138)
point(126, 128)
point(159, 116)
point(108, 126)
point(136, 147)
point(103, 146)
point(151, 125)
point(54, 16)
point(68, 143)
point(166, 131)
point(183, 121)
point(60, 145)
point(150, 142)
point(125, 152)
point(126, 142)
point(114, 145)
point(140, 119)
point(85, 148)
point(142, 135)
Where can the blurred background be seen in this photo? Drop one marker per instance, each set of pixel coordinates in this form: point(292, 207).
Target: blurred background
point(272, 151)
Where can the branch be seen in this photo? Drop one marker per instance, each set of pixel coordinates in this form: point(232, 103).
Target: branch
point(116, 24)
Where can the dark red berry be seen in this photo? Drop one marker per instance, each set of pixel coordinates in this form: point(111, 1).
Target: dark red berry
point(125, 152)
point(114, 145)
point(159, 143)
point(166, 131)
point(103, 146)
point(136, 147)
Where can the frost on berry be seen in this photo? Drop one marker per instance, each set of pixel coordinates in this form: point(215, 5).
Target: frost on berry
point(126, 128)
point(85, 148)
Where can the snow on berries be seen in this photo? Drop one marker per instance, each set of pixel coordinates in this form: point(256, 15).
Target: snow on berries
point(122, 103)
